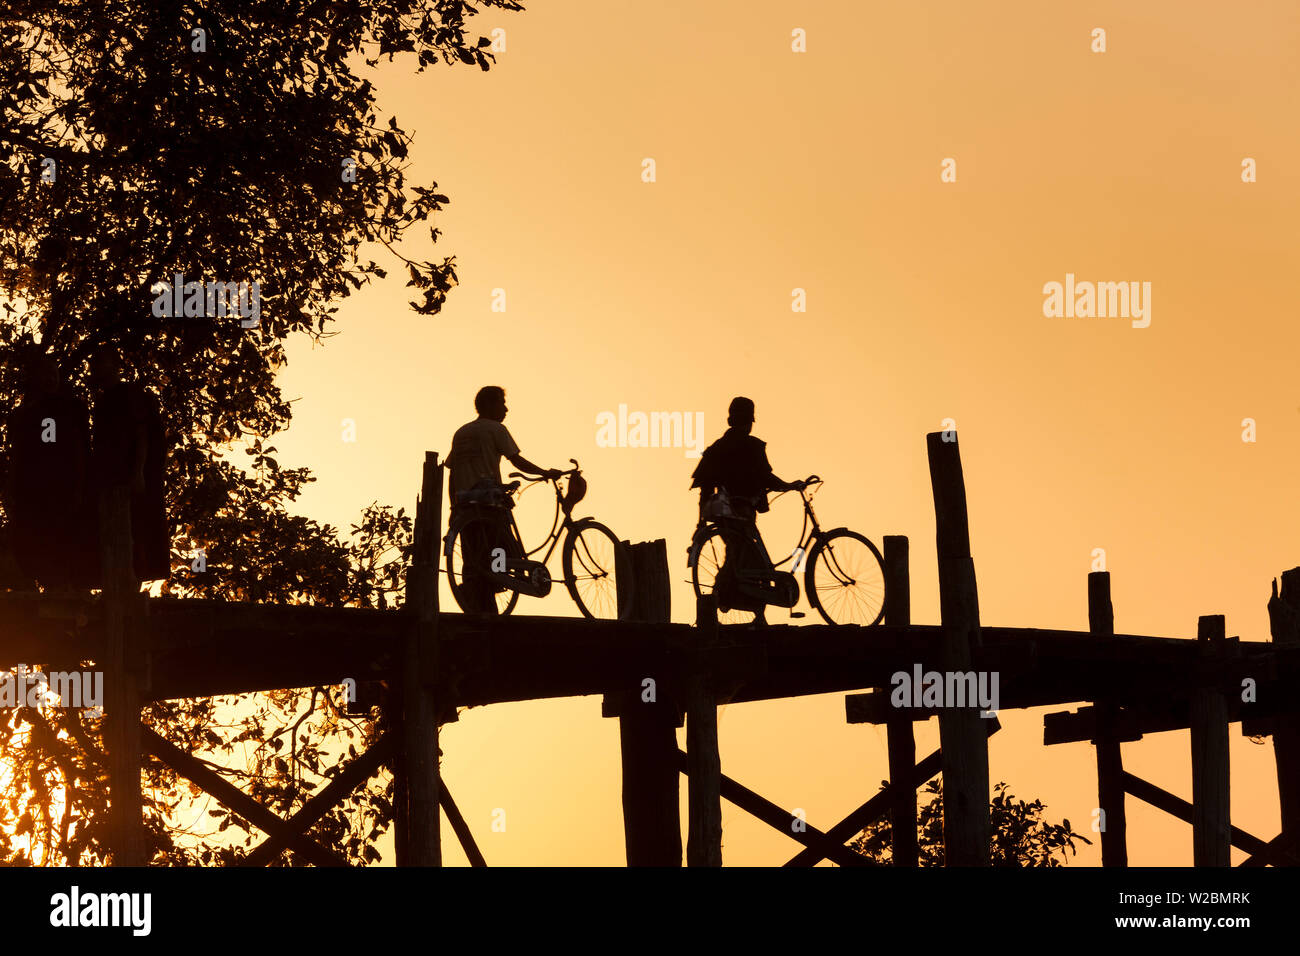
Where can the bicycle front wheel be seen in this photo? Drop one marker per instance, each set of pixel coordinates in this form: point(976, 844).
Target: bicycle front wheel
point(845, 579)
point(706, 559)
point(476, 537)
point(588, 565)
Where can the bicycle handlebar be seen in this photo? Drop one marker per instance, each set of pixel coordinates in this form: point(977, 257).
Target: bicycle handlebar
point(534, 479)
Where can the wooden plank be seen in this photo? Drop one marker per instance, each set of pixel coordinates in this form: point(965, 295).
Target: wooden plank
point(900, 738)
point(1110, 763)
point(187, 765)
point(963, 741)
point(420, 661)
point(208, 647)
point(460, 827)
point(1211, 841)
point(360, 769)
point(1279, 851)
point(1171, 713)
point(704, 783)
point(1176, 806)
point(878, 805)
point(652, 826)
point(781, 820)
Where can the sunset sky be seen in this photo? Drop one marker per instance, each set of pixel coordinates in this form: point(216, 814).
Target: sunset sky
point(778, 170)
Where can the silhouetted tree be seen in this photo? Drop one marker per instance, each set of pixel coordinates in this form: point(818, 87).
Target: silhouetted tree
point(1021, 837)
point(227, 140)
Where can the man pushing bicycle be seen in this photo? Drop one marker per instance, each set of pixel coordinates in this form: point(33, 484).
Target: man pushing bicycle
point(475, 484)
point(843, 572)
point(734, 477)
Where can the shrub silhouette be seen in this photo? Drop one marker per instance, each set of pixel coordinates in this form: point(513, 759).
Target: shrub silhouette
point(1021, 837)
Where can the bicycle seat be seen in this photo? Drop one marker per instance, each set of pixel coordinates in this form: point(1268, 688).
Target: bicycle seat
point(493, 495)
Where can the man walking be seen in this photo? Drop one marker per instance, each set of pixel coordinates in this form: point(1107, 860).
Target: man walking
point(475, 485)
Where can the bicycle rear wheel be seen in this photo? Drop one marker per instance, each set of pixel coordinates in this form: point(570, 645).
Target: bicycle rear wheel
point(845, 579)
point(588, 565)
point(480, 535)
point(706, 558)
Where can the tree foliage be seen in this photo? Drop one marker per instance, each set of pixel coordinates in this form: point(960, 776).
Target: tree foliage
point(1020, 834)
point(209, 139)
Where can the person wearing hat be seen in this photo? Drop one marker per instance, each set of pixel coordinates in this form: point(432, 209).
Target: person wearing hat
point(734, 477)
point(737, 464)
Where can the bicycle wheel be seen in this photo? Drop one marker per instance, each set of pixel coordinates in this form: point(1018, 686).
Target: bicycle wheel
point(707, 555)
point(845, 579)
point(481, 534)
point(588, 565)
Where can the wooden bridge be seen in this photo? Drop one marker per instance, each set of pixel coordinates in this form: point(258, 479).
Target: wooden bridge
point(656, 676)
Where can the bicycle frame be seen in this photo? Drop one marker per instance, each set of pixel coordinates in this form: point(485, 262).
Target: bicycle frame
point(808, 536)
point(561, 522)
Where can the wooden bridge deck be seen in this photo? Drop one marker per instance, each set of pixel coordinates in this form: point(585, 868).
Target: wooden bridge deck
point(202, 648)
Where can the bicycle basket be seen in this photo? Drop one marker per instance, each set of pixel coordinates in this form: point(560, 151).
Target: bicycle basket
point(576, 491)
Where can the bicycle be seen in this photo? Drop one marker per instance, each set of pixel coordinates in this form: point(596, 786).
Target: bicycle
point(587, 557)
point(844, 574)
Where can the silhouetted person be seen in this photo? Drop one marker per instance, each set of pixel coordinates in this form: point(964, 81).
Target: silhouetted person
point(734, 471)
point(131, 449)
point(737, 462)
point(50, 500)
point(474, 463)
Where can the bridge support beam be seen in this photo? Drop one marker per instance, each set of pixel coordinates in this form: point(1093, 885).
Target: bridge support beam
point(962, 737)
point(647, 717)
point(419, 761)
point(1110, 765)
point(1211, 841)
point(899, 732)
point(704, 782)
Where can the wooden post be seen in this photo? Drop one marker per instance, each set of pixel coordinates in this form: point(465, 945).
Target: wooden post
point(419, 761)
point(1211, 840)
point(647, 728)
point(704, 782)
point(899, 732)
point(962, 735)
point(401, 799)
point(122, 673)
point(1284, 625)
point(1110, 765)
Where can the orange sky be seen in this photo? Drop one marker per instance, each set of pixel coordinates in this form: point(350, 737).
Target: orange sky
point(779, 170)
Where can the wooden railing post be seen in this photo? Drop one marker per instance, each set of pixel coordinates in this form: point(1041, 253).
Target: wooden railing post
point(962, 735)
point(899, 732)
point(704, 780)
point(647, 717)
point(1211, 840)
point(1110, 765)
point(1284, 627)
point(122, 674)
point(419, 762)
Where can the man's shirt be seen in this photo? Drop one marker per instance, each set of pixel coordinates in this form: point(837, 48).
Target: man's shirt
point(737, 462)
point(476, 452)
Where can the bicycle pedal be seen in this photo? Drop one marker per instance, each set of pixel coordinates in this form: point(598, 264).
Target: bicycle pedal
point(797, 614)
